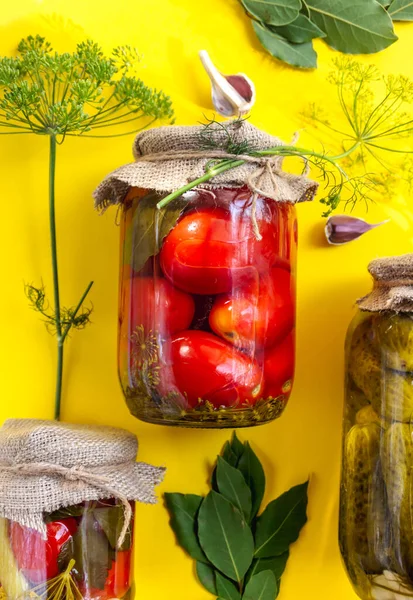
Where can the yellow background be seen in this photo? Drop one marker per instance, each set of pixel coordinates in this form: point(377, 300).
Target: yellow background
point(306, 440)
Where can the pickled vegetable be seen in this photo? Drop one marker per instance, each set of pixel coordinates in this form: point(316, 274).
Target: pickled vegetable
point(12, 580)
point(364, 362)
point(78, 558)
point(207, 308)
point(366, 534)
point(397, 458)
point(395, 337)
point(376, 510)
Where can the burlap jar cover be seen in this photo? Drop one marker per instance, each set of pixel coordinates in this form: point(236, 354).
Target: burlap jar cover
point(393, 285)
point(46, 465)
point(168, 158)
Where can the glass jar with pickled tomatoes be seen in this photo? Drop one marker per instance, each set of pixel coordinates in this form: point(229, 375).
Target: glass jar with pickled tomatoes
point(207, 284)
point(207, 308)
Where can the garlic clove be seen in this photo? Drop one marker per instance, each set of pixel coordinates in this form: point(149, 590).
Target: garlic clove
point(341, 229)
point(232, 95)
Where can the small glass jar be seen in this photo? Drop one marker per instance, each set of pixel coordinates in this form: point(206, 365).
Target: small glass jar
point(79, 559)
point(207, 307)
point(376, 526)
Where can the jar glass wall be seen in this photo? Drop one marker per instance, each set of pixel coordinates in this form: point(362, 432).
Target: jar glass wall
point(376, 525)
point(207, 307)
point(78, 559)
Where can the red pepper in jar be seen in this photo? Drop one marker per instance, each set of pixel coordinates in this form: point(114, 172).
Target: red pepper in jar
point(36, 557)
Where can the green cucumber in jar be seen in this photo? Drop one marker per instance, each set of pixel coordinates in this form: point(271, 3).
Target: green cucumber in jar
point(397, 460)
point(365, 532)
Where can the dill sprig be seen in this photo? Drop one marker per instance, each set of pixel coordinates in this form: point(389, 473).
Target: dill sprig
point(45, 92)
point(83, 93)
point(376, 127)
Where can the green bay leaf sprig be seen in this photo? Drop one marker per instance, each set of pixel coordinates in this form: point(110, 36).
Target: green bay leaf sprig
point(240, 552)
point(287, 28)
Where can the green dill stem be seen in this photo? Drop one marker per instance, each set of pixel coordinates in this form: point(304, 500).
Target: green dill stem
point(53, 244)
point(226, 165)
point(82, 299)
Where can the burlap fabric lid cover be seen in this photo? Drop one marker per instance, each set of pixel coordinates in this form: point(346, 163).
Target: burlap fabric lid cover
point(101, 452)
point(153, 170)
point(393, 285)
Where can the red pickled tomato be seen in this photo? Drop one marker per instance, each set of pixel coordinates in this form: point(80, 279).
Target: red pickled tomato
point(202, 252)
point(36, 557)
point(203, 366)
point(118, 579)
point(279, 368)
point(159, 306)
point(258, 315)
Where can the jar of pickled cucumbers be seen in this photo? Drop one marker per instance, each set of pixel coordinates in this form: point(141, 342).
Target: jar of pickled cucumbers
point(376, 526)
point(207, 279)
point(67, 497)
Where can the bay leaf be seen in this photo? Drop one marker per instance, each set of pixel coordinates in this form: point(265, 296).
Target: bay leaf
point(64, 512)
point(65, 555)
point(262, 586)
point(150, 226)
point(206, 575)
point(300, 31)
point(225, 537)
point(232, 485)
point(297, 55)
point(228, 455)
point(273, 12)
point(356, 27)
point(237, 446)
point(401, 10)
point(276, 564)
point(281, 522)
point(183, 510)
point(92, 552)
point(226, 589)
point(111, 519)
point(254, 475)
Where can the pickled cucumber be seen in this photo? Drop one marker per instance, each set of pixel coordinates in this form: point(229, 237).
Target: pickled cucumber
point(365, 531)
point(363, 362)
point(356, 400)
point(397, 460)
point(395, 337)
point(395, 402)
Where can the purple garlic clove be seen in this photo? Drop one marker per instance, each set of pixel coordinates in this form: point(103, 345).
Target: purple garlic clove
point(232, 95)
point(341, 229)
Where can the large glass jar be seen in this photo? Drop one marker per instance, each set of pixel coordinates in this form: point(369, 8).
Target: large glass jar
point(376, 510)
point(79, 559)
point(207, 307)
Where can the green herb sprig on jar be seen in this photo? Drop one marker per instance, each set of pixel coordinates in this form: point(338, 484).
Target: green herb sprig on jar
point(83, 93)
